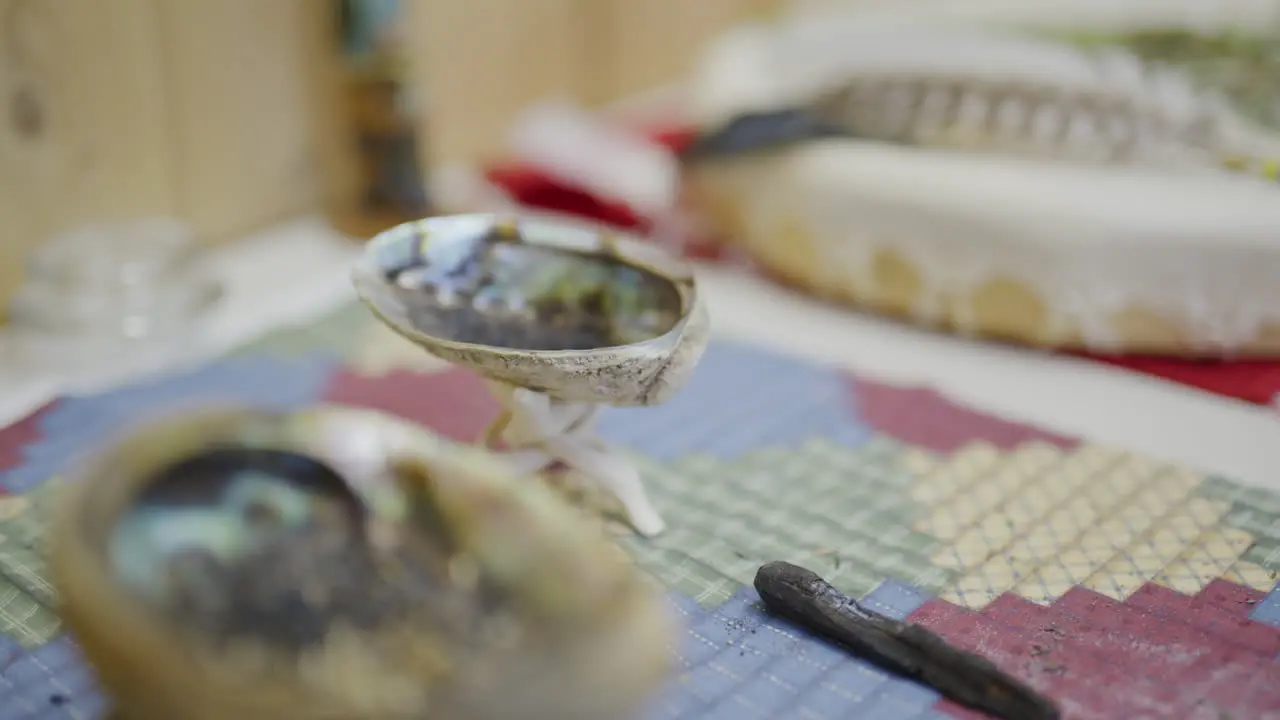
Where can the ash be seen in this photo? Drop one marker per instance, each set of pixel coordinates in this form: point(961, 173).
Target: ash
point(292, 591)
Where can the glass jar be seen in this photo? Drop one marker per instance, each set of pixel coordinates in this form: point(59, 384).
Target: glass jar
point(106, 299)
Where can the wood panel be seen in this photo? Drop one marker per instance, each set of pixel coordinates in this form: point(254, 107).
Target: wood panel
point(651, 43)
point(82, 112)
point(210, 111)
point(336, 156)
point(243, 99)
point(477, 63)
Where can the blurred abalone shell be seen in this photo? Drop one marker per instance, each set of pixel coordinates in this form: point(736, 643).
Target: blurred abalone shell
point(338, 563)
point(242, 542)
point(484, 284)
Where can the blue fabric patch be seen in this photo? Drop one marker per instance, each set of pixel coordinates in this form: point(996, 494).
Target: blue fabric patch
point(1268, 609)
point(895, 599)
point(739, 399)
point(78, 424)
point(50, 682)
point(742, 664)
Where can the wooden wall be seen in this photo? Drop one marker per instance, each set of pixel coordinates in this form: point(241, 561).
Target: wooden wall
point(201, 109)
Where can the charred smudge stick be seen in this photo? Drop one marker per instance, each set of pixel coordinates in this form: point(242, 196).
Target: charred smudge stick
point(804, 598)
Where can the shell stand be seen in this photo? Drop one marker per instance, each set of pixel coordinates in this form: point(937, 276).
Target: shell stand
point(538, 430)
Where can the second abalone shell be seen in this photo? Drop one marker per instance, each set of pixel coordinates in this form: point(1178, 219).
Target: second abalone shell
point(484, 284)
point(253, 543)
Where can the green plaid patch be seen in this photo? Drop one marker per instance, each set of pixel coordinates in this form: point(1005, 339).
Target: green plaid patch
point(1265, 553)
point(1254, 510)
point(1263, 501)
point(843, 511)
point(339, 331)
point(26, 595)
point(24, 619)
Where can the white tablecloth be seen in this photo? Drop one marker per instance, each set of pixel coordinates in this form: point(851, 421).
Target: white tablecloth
point(299, 271)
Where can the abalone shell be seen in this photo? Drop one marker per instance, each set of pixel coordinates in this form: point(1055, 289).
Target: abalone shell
point(255, 543)
point(484, 283)
point(540, 303)
point(336, 562)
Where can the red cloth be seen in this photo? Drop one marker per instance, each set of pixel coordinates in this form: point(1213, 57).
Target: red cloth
point(532, 188)
point(1251, 381)
point(1255, 381)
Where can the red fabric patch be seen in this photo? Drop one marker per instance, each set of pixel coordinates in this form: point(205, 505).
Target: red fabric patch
point(921, 416)
point(1158, 654)
point(454, 403)
point(18, 435)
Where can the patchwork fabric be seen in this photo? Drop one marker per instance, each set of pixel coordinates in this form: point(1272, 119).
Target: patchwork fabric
point(1042, 520)
point(844, 512)
point(1120, 585)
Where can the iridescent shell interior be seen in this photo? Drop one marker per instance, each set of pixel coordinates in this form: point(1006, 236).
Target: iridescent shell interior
point(476, 282)
point(253, 542)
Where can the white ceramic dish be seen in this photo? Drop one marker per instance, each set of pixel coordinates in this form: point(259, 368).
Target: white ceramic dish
point(1050, 195)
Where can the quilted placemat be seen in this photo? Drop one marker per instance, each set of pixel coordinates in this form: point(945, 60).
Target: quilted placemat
point(1122, 586)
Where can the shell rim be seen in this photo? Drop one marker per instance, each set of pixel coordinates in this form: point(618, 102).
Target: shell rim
point(534, 229)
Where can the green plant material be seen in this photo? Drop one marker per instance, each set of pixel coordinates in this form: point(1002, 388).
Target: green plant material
point(1244, 68)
